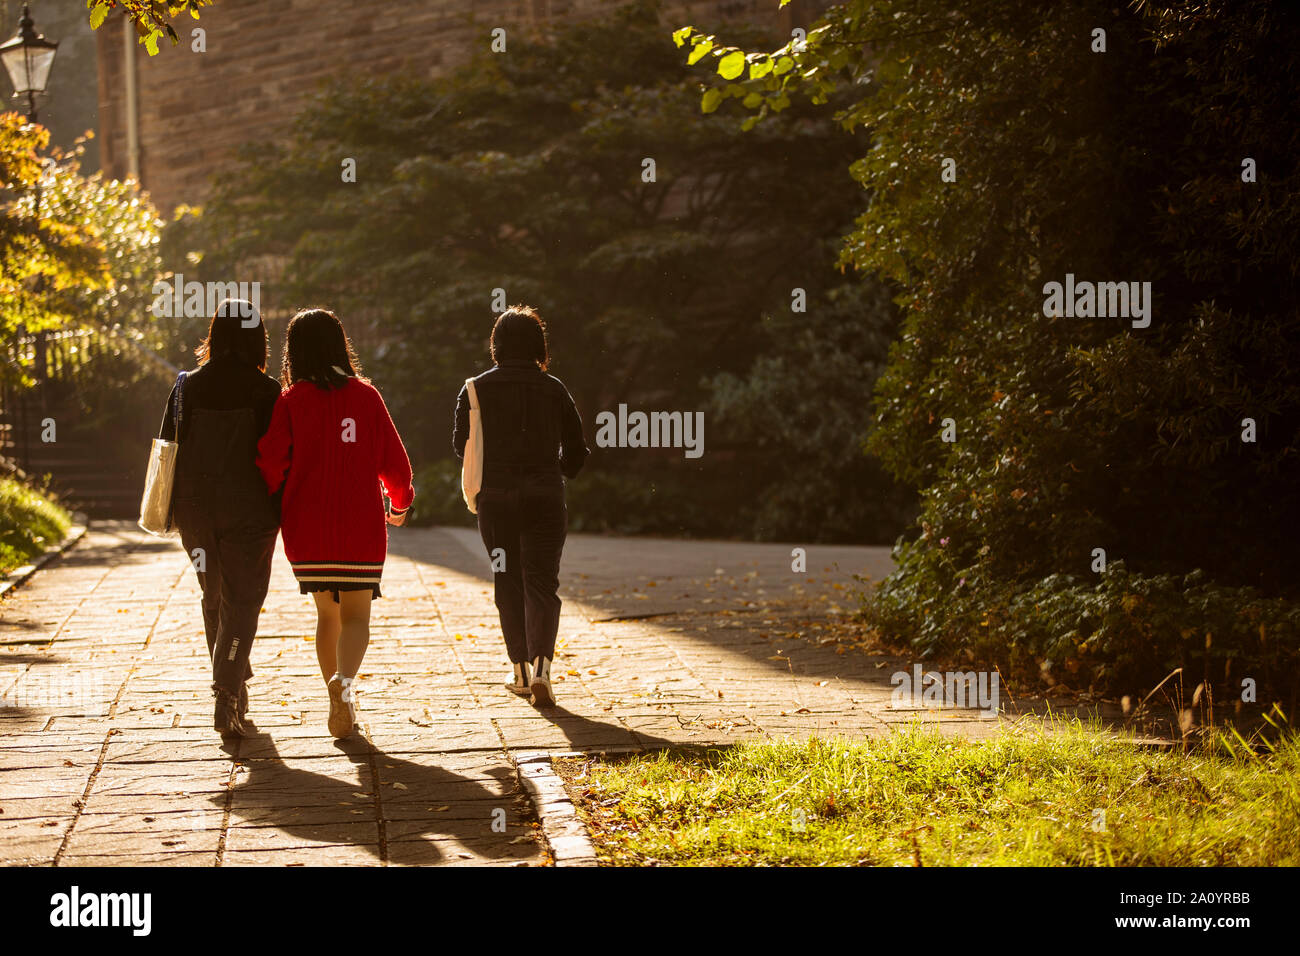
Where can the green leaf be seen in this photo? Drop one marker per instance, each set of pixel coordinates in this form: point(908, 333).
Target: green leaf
point(698, 51)
point(711, 100)
point(784, 65)
point(731, 65)
point(151, 42)
point(680, 35)
point(760, 68)
point(752, 100)
point(97, 16)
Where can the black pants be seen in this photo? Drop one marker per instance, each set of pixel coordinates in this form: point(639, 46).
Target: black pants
point(236, 541)
point(528, 525)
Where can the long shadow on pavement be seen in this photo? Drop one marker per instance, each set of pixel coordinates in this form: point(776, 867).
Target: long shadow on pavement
point(589, 735)
point(428, 813)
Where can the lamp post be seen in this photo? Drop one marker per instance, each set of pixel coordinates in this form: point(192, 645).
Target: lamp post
point(28, 57)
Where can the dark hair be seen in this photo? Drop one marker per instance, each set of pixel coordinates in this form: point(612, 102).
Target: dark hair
point(520, 335)
point(236, 329)
point(317, 350)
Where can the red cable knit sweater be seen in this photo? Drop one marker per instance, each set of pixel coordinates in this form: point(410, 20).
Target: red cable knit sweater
point(336, 447)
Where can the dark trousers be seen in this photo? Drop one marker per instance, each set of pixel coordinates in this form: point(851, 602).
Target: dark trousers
point(237, 544)
point(529, 527)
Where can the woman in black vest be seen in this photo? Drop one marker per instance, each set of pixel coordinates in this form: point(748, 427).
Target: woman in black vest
point(227, 521)
point(532, 440)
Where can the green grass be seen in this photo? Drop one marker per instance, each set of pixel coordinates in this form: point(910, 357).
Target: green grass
point(915, 798)
point(29, 523)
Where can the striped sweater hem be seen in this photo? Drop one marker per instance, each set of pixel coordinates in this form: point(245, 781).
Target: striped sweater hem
point(344, 572)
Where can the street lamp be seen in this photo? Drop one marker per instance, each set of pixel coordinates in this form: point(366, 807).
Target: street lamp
point(28, 57)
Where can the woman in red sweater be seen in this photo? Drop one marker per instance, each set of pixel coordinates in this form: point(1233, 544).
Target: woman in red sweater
point(330, 445)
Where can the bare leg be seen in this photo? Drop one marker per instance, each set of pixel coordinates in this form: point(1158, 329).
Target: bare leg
point(328, 626)
point(354, 636)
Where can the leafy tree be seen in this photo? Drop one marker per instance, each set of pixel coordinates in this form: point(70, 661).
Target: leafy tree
point(1074, 434)
point(530, 173)
point(800, 407)
point(79, 253)
point(127, 229)
point(44, 257)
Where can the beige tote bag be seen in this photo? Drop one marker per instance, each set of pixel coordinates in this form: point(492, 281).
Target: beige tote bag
point(471, 471)
point(156, 504)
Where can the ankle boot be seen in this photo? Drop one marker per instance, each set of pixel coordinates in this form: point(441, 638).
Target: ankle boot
point(540, 685)
point(226, 720)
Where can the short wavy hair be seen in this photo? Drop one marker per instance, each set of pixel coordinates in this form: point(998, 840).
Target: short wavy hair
point(520, 335)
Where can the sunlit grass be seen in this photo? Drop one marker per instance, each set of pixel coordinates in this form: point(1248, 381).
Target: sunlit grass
point(29, 523)
point(1063, 797)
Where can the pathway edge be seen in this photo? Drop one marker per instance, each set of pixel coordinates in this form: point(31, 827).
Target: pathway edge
point(564, 830)
point(21, 575)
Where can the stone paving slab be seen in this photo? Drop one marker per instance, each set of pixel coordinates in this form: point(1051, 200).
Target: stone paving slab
point(107, 757)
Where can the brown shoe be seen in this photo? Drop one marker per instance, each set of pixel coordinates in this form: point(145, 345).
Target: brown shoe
point(226, 720)
point(343, 712)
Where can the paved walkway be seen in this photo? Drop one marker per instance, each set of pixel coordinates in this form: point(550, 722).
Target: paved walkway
point(107, 756)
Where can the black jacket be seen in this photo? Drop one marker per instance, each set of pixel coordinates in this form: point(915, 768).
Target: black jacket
point(226, 408)
point(531, 428)
point(223, 384)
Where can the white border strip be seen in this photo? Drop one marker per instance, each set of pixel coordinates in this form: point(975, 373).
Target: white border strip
point(564, 830)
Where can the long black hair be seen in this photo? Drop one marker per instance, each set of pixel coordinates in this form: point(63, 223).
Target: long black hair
point(317, 350)
point(520, 335)
point(236, 329)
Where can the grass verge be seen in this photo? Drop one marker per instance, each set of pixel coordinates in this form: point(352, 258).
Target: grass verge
point(1064, 796)
point(29, 523)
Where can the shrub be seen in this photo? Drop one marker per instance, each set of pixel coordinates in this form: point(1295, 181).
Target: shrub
point(29, 523)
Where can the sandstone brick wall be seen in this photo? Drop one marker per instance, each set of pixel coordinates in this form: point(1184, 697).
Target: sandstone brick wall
point(264, 57)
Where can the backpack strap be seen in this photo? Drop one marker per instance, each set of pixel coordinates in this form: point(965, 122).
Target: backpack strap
point(180, 402)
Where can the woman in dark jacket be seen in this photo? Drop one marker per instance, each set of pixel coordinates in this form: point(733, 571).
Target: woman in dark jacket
point(227, 521)
point(532, 440)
